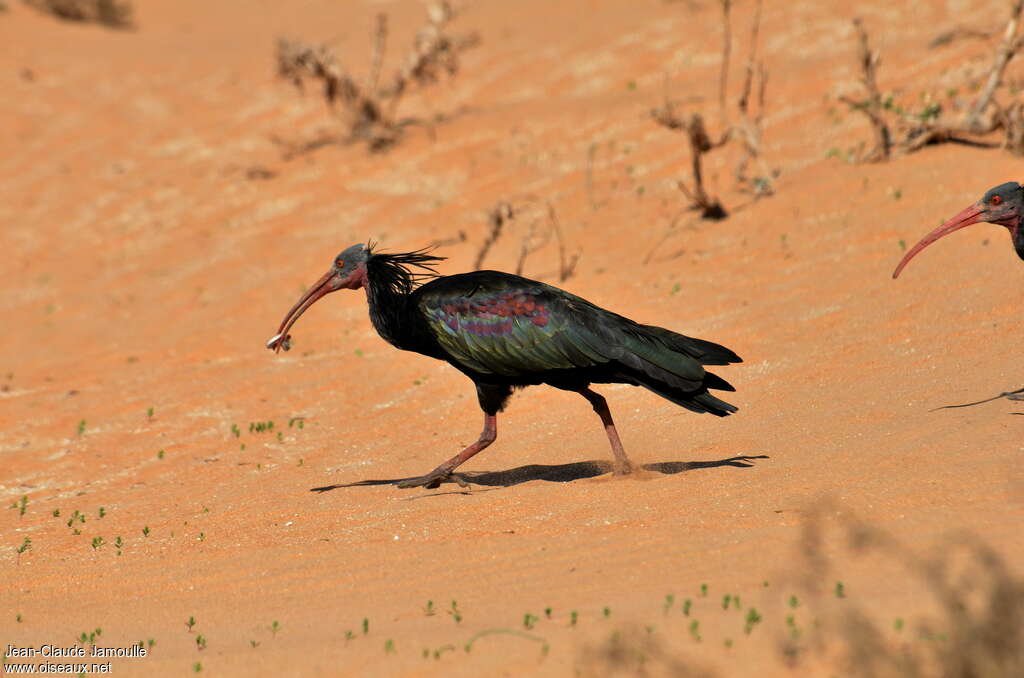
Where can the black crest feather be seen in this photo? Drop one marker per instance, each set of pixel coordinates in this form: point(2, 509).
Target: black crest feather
point(402, 272)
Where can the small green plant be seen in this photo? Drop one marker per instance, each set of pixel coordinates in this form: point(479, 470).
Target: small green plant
point(704, 587)
point(606, 612)
point(726, 600)
point(26, 545)
point(118, 544)
point(359, 352)
point(261, 426)
point(897, 624)
point(454, 612)
point(695, 630)
point(274, 628)
point(547, 612)
point(102, 512)
point(97, 542)
point(670, 600)
point(298, 422)
point(728, 643)
point(202, 536)
point(429, 609)
point(253, 644)
point(366, 625)
point(190, 623)
point(22, 505)
point(573, 617)
point(753, 619)
point(200, 641)
point(56, 513)
point(81, 427)
point(149, 414)
point(197, 667)
point(794, 630)
point(794, 602)
point(676, 287)
point(530, 620)
point(145, 531)
point(236, 431)
point(349, 635)
point(160, 454)
point(76, 517)
point(389, 646)
point(17, 618)
point(687, 604)
point(840, 590)
point(151, 642)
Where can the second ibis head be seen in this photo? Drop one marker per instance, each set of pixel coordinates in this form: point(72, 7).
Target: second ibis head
point(1003, 205)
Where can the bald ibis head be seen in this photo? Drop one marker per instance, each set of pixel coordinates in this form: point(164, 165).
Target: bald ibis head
point(348, 271)
point(1003, 205)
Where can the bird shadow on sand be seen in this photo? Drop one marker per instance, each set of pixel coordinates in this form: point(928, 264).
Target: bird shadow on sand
point(558, 473)
point(1009, 395)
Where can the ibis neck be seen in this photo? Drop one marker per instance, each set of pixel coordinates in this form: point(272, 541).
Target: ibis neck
point(389, 312)
point(1017, 233)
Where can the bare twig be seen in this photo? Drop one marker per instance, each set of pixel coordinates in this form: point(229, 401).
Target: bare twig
point(497, 217)
point(379, 48)
point(872, 106)
point(1008, 46)
point(749, 128)
point(529, 245)
point(566, 265)
point(723, 75)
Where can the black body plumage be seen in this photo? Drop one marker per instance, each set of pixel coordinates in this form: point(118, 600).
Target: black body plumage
point(505, 331)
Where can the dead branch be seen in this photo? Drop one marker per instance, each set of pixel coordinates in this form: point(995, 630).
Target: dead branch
point(370, 112)
point(459, 237)
point(930, 125)
point(529, 245)
point(1008, 46)
point(958, 33)
point(749, 129)
point(700, 144)
point(872, 105)
point(723, 76)
point(379, 47)
point(110, 13)
point(566, 265)
point(497, 217)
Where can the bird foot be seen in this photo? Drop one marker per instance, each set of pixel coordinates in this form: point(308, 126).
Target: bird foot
point(433, 480)
point(623, 469)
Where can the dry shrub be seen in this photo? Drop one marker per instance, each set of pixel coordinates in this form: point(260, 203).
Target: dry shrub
point(897, 129)
point(747, 129)
point(369, 109)
point(978, 631)
point(637, 654)
point(543, 226)
point(110, 13)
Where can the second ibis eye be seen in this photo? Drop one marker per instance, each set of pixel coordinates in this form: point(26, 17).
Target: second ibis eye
point(996, 199)
point(339, 263)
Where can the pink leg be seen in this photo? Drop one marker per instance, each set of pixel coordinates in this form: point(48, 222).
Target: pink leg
point(444, 471)
point(600, 405)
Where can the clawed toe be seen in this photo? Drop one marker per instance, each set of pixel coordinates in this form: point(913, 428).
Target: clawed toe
point(432, 480)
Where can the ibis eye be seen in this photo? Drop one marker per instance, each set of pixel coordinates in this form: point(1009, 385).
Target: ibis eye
point(996, 199)
point(339, 263)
